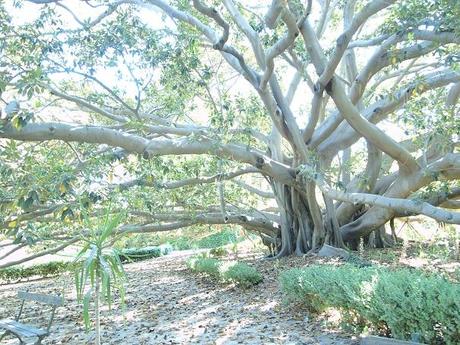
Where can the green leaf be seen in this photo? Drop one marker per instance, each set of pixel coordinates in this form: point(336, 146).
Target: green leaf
point(86, 301)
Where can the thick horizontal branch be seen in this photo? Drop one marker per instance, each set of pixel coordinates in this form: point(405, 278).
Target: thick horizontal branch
point(149, 148)
point(374, 41)
point(402, 187)
point(442, 199)
point(260, 223)
point(422, 35)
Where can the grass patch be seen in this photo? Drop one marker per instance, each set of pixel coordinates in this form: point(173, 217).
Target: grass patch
point(401, 303)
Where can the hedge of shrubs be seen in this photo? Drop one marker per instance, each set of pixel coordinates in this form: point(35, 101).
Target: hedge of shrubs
point(49, 269)
point(138, 254)
point(402, 303)
point(239, 273)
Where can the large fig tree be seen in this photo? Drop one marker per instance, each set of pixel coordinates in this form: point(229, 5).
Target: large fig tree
point(308, 122)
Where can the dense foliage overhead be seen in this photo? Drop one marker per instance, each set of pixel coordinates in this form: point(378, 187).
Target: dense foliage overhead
point(307, 122)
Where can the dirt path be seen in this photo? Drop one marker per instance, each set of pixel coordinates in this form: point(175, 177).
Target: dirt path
point(167, 305)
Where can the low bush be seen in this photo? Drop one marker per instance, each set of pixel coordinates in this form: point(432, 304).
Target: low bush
point(49, 269)
point(218, 252)
point(138, 254)
point(231, 272)
point(403, 302)
point(205, 265)
point(241, 274)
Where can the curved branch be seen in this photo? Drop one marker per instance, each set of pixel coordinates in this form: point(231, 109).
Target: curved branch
point(250, 33)
point(370, 131)
point(274, 11)
point(280, 46)
point(447, 167)
point(212, 13)
point(344, 136)
point(377, 62)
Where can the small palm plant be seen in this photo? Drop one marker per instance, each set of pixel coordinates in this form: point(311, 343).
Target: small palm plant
point(99, 267)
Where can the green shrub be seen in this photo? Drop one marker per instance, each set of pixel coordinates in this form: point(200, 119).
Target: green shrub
point(16, 273)
point(205, 265)
point(405, 301)
point(241, 274)
point(218, 239)
point(218, 252)
point(138, 254)
point(183, 243)
point(234, 272)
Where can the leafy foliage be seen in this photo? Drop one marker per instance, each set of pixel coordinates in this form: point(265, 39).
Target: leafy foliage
point(443, 15)
point(401, 302)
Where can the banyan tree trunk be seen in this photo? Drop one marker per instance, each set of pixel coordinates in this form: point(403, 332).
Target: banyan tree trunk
point(303, 227)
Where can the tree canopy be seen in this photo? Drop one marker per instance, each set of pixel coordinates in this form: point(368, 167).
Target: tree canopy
point(308, 122)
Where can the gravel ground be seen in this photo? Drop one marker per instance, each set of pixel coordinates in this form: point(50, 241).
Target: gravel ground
point(166, 304)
